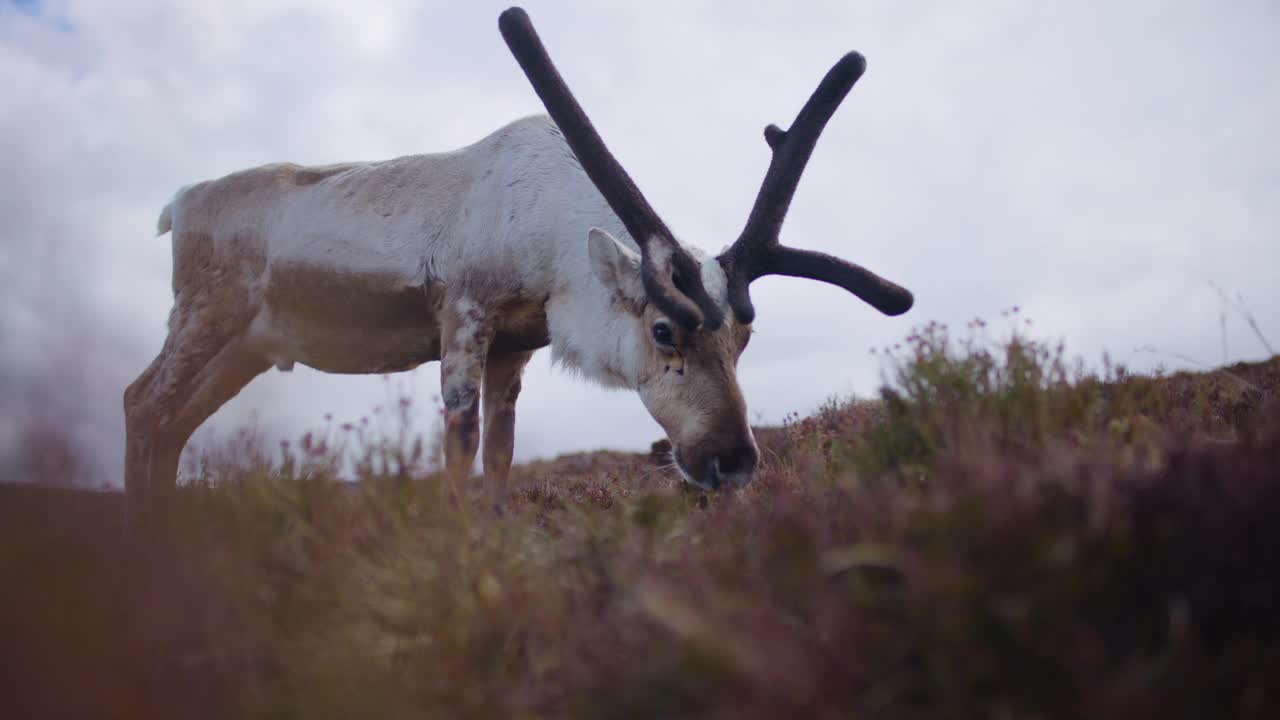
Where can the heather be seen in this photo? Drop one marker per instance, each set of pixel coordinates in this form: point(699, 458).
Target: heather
point(1001, 532)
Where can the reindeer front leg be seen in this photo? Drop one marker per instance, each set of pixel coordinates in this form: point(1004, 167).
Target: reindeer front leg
point(467, 333)
point(501, 389)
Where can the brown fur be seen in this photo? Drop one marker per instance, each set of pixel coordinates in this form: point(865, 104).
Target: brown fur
point(501, 390)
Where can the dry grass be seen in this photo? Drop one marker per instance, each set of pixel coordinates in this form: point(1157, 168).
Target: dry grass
point(999, 535)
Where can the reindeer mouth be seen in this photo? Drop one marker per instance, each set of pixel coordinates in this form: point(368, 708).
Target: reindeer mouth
point(678, 461)
point(713, 480)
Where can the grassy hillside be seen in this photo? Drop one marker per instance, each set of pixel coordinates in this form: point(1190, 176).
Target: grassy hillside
point(998, 535)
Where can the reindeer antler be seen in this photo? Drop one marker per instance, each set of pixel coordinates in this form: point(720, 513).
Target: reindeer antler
point(757, 251)
point(671, 277)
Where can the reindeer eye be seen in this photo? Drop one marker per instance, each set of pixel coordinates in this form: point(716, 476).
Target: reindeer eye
point(662, 334)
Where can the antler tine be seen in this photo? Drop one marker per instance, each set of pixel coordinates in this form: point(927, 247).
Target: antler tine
point(671, 277)
point(792, 149)
point(757, 251)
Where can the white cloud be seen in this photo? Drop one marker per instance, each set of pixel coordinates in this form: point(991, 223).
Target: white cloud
point(1097, 164)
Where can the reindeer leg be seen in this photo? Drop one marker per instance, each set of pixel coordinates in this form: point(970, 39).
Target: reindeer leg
point(150, 402)
point(164, 406)
point(220, 380)
point(467, 333)
point(140, 414)
point(185, 384)
point(501, 389)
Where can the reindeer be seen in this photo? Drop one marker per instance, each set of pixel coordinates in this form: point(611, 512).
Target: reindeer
point(532, 236)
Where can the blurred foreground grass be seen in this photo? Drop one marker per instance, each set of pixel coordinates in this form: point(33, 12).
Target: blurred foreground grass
point(1000, 534)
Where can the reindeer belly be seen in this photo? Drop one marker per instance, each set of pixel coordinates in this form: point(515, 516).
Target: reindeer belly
point(350, 322)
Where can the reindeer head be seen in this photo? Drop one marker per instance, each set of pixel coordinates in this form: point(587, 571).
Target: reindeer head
point(692, 313)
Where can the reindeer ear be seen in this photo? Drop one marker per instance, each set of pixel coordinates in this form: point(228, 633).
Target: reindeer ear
point(617, 267)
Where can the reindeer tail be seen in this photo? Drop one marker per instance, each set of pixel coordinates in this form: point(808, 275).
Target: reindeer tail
point(165, 223)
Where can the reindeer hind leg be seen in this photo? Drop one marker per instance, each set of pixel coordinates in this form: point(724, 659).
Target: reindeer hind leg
point(200, 367)
point(160, 423)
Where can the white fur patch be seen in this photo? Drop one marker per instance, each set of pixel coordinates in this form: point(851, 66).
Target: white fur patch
point(713, 277)
point(472, 324)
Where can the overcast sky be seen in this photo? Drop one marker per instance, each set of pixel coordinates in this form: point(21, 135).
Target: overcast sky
point(1101, 165)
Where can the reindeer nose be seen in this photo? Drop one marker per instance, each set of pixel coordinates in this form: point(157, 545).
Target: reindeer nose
point(736, 464)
